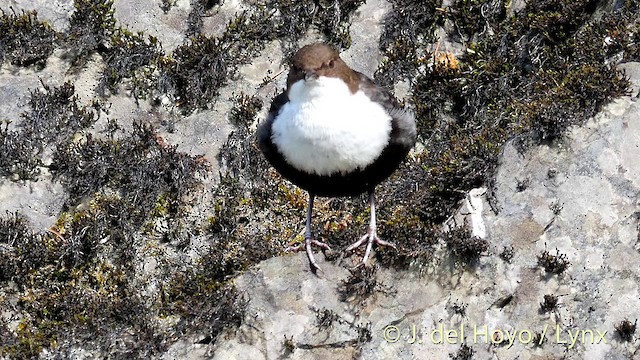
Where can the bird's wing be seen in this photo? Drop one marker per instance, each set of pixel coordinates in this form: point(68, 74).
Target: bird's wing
point(377, 93)
point(403, 122)
point(264, 129)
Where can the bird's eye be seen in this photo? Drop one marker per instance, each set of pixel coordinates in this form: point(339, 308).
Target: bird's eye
point(332, 63)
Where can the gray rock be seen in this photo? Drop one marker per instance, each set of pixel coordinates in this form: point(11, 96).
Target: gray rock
point(365, 31)
point(39, 201)
point(56, 12)
point(581, 199)
point(15, 84)
point(146, 16)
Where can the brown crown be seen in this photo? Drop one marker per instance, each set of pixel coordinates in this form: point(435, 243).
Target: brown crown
point(321, 60)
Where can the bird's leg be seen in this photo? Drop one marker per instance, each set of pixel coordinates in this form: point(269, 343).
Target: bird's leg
point(309, 241)
point(370, 237)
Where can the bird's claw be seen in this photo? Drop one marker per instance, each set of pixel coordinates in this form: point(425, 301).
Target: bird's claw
point(369, 238)
point(308, 243)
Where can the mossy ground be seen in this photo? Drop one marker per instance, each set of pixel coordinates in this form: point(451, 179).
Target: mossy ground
point(527, 76)
point(16, 45)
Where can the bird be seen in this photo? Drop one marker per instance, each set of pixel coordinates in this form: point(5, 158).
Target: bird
point(335, 133)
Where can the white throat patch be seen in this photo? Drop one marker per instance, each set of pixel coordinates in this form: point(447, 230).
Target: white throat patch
point(324, 129)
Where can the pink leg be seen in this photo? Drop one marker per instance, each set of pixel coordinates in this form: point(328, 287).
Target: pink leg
point(309, 241)
point(370, 237)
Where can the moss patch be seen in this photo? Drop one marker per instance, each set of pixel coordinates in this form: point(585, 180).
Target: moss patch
point(92, 25)
point(129, 56)
point(294, 18)
point(55, 117)
point(64, 286)
point(198, 11)
point(196, 71)
point(25, 40)
point(533, 76)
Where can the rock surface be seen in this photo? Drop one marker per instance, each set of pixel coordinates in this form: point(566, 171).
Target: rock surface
point(570, 203)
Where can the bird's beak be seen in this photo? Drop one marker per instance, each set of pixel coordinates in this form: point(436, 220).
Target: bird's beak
point(310, 75)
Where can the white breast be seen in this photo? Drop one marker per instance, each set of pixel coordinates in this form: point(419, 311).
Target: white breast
point(325, 129)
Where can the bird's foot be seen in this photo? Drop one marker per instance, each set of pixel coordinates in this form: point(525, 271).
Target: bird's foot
point(308, 243)
point(369, 238)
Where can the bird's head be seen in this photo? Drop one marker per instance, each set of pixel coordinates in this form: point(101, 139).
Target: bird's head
point(317, 60)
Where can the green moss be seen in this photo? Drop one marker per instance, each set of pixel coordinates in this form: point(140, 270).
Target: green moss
point(55, 117)
point(554, 264)
point(141, 166)
point(165, 222)
point(474, 16)
point(244, 111)
point(197, 70)
point(234, 233)
point(27, 344)
point(92, 25)
point(13, 227)
point(14, 231)
point(414, 239)
point(528, 80)
point(466, 249)
point(204, 304)
point(198, 11)
point(406, 39)
point(163, 206)
point(626, 330)
point(361, 285)
point(331, 19)
point(20, 160)
point(66, 283)
point(25, 40)
point(129, 56)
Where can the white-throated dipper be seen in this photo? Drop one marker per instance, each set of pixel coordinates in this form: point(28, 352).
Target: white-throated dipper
point(334, 132)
